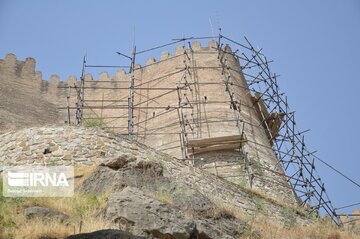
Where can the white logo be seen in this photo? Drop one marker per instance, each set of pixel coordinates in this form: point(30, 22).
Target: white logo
point(36, 179)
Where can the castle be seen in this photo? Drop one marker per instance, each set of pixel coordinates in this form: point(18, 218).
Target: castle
point(194, 104)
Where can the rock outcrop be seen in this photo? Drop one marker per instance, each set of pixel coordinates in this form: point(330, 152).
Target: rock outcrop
point(44, 213)
point(132, 210)
point(151, 194)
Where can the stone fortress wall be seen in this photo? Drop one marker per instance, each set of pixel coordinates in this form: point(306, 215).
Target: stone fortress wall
point(22, 95)
point(191, 78)
point(57, 146)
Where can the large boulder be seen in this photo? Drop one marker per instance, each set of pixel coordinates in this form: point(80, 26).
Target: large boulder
point(45, 214)
point(146, 200)
point(124, 170)
point(121, 161)
point(136, 212)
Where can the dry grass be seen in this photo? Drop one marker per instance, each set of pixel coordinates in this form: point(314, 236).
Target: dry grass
point(82, 209)
point(320, 229)
point(253, 192)
point(82, 173)
point(260, 226)
point(36, 228)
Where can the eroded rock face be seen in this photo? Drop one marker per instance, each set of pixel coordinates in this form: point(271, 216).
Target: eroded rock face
point(145, 200)
point(149, 177)
point(132, 210)
point(120, 172)
point(118, 162)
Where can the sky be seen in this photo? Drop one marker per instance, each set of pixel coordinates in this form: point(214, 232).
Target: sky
point(314, 45)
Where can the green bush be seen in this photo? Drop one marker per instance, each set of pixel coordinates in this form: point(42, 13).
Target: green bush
point(94, 122)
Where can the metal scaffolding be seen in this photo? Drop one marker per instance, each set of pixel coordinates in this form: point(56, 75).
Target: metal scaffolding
point(277, 119)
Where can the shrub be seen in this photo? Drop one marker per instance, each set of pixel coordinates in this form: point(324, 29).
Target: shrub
point(93, 122)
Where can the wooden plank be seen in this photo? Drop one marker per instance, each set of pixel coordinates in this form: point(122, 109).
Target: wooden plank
point(273, 120)
point(262, 105)
point(216, 148)
point(256, 106)
point(206, 144)
point(213, 140)
point(276, 124)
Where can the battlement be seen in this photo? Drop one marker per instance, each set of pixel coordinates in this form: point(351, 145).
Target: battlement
point(24, 69)
point(12, 68)
point(194, 46)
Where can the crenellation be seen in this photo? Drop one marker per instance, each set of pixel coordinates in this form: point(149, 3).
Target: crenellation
point(212, 44)
point(227, 49)
point(89, 77)
point(28, 69)
point(13, 68)
point(164, 55)
point(10, 59)
point(138, 67)
point(71, 81)
point(150, 60)
point(103, 76)
point(10, 65)
point(196, 46)
point(179, 50)
point(54, 81)
point(120, 75)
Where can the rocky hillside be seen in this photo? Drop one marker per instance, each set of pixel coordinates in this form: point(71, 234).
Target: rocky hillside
point(132, 191)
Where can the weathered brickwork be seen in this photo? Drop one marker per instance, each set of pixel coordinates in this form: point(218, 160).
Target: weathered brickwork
point(57, 146)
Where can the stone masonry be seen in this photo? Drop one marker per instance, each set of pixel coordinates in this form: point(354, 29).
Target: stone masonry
point(58, 146)
point(191, 77)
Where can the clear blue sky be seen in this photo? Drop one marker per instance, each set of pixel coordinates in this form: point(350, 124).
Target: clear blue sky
point(315, 45)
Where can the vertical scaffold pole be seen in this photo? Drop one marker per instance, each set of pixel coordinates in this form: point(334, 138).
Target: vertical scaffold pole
point(131, 96)
point(80, 100)
point(68, 106)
